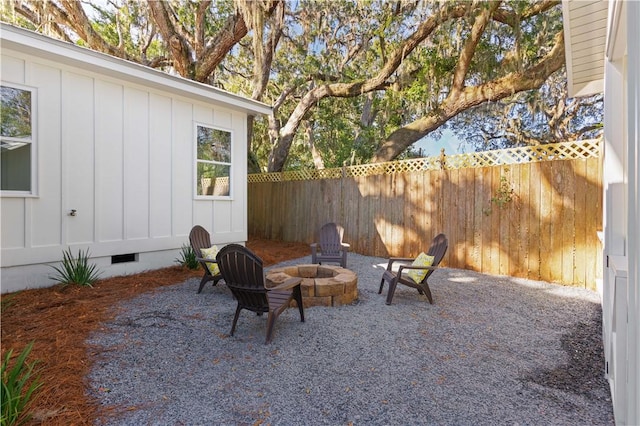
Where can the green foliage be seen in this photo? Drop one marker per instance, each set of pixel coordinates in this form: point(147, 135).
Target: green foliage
point(260, 144)
point(119, 26)
point(187, 257)
point(504, 194)
point(19, 382)
point(76, 270)
point(6, 302)
point(10, 15)
point(340, 134)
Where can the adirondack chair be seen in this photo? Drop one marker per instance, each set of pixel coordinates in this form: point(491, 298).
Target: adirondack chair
point(404, 273)
point(331, 248)
point(243, 273)
point(201, 240)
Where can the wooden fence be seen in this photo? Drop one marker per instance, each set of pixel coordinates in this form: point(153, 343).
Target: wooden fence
point(529, 215)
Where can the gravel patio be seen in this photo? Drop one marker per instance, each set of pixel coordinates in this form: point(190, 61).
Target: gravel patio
point(490, 350)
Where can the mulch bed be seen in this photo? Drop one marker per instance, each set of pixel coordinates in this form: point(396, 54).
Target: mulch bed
point(59, 320)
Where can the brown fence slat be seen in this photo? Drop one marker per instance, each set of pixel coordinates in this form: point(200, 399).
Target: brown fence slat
point(478, 216)
point(568, 222)
point(580, 225)
point(524, 207)
point(468, 186)
point(535, 218)
point(546, 222)
point(515, 262)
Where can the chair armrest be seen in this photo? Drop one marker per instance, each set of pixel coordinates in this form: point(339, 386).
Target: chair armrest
point(287, 284)
point(392, 260)
point(432, 268)
point(418, 267)
point(402, 259)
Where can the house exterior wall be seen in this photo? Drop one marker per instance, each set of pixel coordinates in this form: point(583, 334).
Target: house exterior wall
point(621, 300)
point(633, 209)
point(122, 155)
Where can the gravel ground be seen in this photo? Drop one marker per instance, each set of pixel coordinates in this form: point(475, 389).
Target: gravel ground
point(490, 351)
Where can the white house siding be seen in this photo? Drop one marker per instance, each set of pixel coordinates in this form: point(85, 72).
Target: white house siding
point(160, 156)
point(633, 211)
point(621, 181)
point(621, 302)
point(122, 155)
point(79, 186)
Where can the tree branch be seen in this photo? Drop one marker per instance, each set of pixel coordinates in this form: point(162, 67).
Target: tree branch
point(35, 17)
point(198, 36)
point(280, 151)
point(232, 32)
point(469, 49)
point(535, 8)
point(177, 44)
point(531, 78)
point(80, 23)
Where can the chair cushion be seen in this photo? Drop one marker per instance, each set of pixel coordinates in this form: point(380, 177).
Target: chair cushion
point(423, 259)
point(210, 253)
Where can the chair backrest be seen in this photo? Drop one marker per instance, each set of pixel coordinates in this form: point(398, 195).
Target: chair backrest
point(243, 272)
point(199, 239)
point(437, 249)
point(331, 238)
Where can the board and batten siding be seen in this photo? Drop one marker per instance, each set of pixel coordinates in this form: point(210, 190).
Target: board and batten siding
point(122, 155)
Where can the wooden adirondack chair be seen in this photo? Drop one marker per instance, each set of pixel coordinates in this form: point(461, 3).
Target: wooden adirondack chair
point(437, 249)
point(331, 248)
point(243, 273)
point(200, 239)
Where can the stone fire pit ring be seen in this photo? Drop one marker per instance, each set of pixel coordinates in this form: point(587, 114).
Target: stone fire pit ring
point(322, 285)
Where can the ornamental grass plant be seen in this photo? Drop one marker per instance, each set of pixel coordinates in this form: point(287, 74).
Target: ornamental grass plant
point(76, 270)
point(188, 258)
point(19, 382)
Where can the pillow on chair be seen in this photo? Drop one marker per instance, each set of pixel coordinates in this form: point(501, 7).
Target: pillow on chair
point(423, 259)
point(210, 253)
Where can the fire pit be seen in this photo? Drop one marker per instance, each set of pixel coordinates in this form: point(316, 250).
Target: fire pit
point(322, 285)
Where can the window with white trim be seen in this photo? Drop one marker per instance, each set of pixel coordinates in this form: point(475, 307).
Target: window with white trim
point(17, 150)
point(213, 162)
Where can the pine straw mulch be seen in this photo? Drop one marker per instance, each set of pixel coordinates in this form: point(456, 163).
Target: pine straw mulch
point(59, 320)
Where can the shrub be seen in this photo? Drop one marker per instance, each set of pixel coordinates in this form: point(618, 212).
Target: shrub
point(187, 257)
point(76, 270)
point(18, 385)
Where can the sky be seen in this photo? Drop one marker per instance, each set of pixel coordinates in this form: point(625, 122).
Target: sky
point(448, 141)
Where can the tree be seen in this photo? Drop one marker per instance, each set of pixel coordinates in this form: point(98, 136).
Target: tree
point(454, 55)
point(348, 82)
point(196, 35)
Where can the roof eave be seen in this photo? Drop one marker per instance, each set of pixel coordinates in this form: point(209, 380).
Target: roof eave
point(585, 26)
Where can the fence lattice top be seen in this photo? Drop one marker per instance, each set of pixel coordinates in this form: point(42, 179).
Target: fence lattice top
point(529, 154)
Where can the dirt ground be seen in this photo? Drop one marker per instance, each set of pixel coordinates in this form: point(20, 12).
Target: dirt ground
point(59, 319)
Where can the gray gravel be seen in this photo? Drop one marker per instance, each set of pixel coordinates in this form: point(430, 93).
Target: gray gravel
point(491, 350)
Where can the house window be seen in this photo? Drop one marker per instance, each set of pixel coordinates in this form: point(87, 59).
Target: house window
point(17, 139)
point(213, 162)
